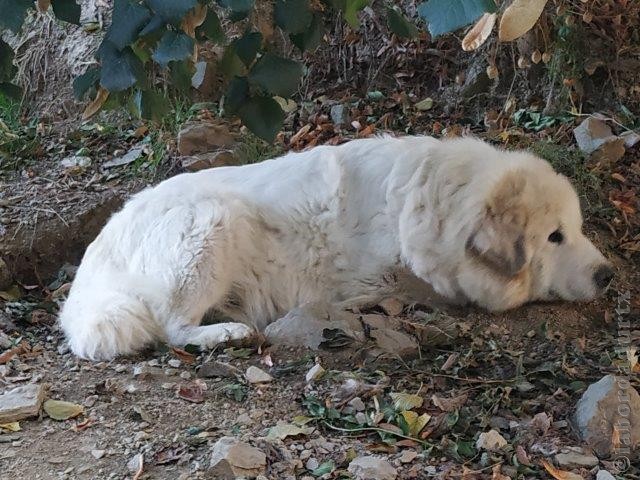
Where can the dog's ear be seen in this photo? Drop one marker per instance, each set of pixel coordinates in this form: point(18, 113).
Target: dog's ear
point(499, 238)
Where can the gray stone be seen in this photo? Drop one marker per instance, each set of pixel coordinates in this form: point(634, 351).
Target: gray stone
point(255, 375)
point(372, 468)
point(595, 138)
point(607, 404)
point(316, 372)
point(340, 115)
point(218, 369)
point(203, 137)
point(129, 157)
point(231, 459)
point(202, 161)
point(575, 459)
point(604, 475)
point(5, 341)
point(21, 402)
point(75, 161)
point(304, 325)
point(6, 279)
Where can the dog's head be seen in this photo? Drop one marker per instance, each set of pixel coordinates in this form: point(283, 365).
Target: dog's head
point(528, 242)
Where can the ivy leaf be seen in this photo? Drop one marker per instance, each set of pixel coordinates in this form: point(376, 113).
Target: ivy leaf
point(13, 13)
point(10, 90)
point(84, 82)
point(150, 105)
point(276, 75)
point(312, 36)
point(120, 69)
point(399, 25)
point(247, 46)
point(7, 70)
point(237, 93)
point(128, 19)
point(445, 16)
point(181, 74)
point(173, 46)
point(292, 16)
point(172, 11)
point(67, 11)
point(211, 28)
point(230, 63)
point(263, 116)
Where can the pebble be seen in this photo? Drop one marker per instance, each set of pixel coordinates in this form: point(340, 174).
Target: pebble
point(255, 375)
point(372, 468)
point(98, 454)
point(174, 362)
point(312, 464)
point(408, 456)
point(232, 458)
point(490, 440)
point(315, 373)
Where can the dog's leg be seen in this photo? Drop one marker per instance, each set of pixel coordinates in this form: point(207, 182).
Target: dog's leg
point(208, 336)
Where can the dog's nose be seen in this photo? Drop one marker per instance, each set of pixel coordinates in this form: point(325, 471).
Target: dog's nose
point(603, 276)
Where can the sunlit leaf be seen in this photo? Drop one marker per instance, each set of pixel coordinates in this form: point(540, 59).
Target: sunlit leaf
point(519, 18)
point(60, 410)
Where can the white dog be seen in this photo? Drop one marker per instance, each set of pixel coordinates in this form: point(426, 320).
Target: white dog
point(491, 227)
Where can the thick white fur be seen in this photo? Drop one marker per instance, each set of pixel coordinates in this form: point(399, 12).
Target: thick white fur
point(327, 224)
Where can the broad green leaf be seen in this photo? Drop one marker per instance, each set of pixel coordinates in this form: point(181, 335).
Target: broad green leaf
point(128, 19)
point(120, 69)
point(59, 410)
point(415, 423)
point(247, 46)
point(172, 11)
point(263, 116)
point(350, 9)
point(155, 24)
point(276, 75)
point(12, 13)
point(230, 63)
point(10, 90)
point(292, 16)
point(150, 105)
point(83, 83)
point(181, 74)
point(211, 28)
point(311, 37)
point(324, 468)
point(445, 16)
point(7, 70)
point(67, 11)
point(399, 25)
point(173, 46)
point(406, 401)
point(237, 93)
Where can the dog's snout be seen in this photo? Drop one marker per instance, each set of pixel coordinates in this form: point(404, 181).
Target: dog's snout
point(603, 276)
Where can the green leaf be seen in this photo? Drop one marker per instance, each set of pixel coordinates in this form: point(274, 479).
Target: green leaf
point(181, 74)
point(128, 19)
point(59, 410)
point(155, 24)
point(172, 11)
point(237, 93)
point(445, 16)
point(173, 46)
point(312, 36)
point(399, 25)
point(120, 69)
point(292, 16)
point(10, 90)
point(324, 468)
point(263, 116)
point(7, 70)
point(247, 46)
point(150, 105)
point(230, 63)
point(12, 13)
point(239, 8)
point(211, 28)
point(350, 9)
point(276, 75)
point(67, 11)
point(84, 82)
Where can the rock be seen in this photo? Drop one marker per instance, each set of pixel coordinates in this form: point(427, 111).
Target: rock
point(129, 157)
point(392, 341)
point(231, 459)
point(357, 404)
point(5, 341)
point(202, 161)
point(575, 458)
point(604, 475)
point(391, 306)
point(312, 464)
point(218, 369)
point(6, 279)
point(340, 115)
point(630, 140)
point(476, 80)
point(21, 402)
point(491, 441)
point(203, 137)
point(316, 372)
point(608, 403)
point(133, 465)
point(372, 468)
point(98, 454)
point(304, 325)
point(174, 362)
point(595, 138)
point(255, 375)
point(408, 456)
point(75, 161)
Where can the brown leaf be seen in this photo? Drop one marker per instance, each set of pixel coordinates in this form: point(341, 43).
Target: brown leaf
point(560, 474)
point(183, 355)
point(95, 104)
point(192, 391)
point(519, 18)
point(12, 352)
point(480, 32)
point(193, 19)
point(43, 5)
point(522, 456)
point(449, 404)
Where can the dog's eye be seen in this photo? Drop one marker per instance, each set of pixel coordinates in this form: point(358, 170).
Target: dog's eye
point(556, 237)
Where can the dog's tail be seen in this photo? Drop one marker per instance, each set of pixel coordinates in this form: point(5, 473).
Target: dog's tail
point(100, 323)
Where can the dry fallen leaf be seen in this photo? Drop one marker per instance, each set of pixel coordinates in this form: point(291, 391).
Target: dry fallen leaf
point(11, 426)
point(192, 391)
point(560, 474)
point(43, 5)
point(449, 404)
point(60, 410)
point(480, 32)
point(96, 103)
point(415, 422)
point(519, 18)
point(193, 19)
point(284, 430)
point(183, 355)
point(406, 401)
